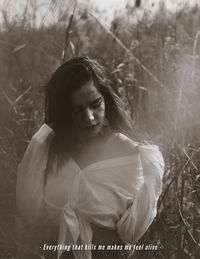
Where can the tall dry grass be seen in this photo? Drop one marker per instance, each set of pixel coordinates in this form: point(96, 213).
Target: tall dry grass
point(153, 65)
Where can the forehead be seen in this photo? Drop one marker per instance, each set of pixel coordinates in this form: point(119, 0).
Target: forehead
point(86, 94)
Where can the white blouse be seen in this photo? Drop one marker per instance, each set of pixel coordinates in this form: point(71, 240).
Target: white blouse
point(118, 193)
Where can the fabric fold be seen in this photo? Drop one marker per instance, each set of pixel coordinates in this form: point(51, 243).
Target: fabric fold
point(74, 230)
point(139, 216)
point(30, 175)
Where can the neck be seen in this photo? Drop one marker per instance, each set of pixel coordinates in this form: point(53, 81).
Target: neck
point(95, 141)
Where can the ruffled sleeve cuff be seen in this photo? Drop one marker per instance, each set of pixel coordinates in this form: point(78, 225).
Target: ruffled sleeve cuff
point(139, 216)
point(30, 175)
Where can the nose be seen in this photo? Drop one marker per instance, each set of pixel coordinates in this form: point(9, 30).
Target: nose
point(89, 115)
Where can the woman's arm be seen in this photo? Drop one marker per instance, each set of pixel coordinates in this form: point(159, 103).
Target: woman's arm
point(30, 176)
point(30, 221)
point(139, 216)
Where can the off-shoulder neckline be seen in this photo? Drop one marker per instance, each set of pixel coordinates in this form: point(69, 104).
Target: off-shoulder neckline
point(110, 162)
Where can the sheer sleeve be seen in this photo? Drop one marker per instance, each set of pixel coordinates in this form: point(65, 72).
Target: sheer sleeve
point(139, 216)
point(30, 176)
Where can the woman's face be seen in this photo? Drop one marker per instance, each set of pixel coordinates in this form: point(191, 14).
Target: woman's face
point(88, 110)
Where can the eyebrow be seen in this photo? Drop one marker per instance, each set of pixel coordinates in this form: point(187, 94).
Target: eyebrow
point(90, 103)
point(96, 100)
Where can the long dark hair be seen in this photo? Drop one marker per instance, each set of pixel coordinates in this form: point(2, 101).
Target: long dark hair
point(68, 78)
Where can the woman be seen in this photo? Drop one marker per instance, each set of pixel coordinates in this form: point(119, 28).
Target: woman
point(82, 175)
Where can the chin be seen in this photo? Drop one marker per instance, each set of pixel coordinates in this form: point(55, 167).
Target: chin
point(92, 134)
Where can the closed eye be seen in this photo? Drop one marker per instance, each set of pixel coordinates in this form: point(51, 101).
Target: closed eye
point(95, 104)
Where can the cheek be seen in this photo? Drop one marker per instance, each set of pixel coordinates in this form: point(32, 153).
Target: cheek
point(99, 115)
point(101, 112)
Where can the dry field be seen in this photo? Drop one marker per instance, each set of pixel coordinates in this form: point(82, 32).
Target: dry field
point(154, 65)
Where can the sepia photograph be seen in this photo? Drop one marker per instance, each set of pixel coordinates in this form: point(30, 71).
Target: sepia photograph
point(99, 129)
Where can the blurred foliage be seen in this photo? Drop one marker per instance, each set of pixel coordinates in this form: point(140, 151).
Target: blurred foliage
point(165, 110)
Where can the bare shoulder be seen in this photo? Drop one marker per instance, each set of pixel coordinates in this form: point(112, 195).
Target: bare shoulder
point(123, 145)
